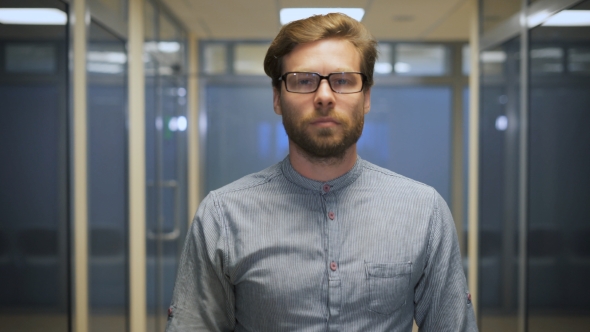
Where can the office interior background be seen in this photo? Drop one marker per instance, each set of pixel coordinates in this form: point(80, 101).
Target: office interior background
point(118, 116)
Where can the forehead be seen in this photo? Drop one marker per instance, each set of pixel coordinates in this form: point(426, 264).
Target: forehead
point(323, 56)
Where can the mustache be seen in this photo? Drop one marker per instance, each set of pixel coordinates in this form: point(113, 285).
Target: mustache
point(332, 114)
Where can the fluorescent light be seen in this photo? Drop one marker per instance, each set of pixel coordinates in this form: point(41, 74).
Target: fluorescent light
point(112, 57)
point(569, 18)
point(33, 16)
point(383, 68)
point(104, 68)
point(168, 47)
point(293, 14)
point(493, 56)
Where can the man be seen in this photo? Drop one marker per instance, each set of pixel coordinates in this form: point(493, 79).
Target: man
point(322, 241)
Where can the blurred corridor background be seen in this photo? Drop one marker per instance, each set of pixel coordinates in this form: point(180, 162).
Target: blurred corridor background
point(118, 116)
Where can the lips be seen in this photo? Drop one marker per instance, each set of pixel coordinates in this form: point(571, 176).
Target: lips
point(325, 122)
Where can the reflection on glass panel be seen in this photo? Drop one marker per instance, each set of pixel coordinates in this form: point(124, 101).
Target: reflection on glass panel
point(33, 175)
point(559, 228)
point(30, 58)
point(166, 153)
point(495, 12)
point(383, 64)
point(421, 59)
point(578, 60)
point(499, 160)
point(248, 58)
point(214, 58)
point(546, 60)
point(493, 62)
point(107, 178)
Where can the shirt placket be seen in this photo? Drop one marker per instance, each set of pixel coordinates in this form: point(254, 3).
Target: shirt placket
point(333, 254)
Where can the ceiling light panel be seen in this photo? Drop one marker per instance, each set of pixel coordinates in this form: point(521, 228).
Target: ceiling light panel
point(569, 18)
point(293, 14)
point(33, 16)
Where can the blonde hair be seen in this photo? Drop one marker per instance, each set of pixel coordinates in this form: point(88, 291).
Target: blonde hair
point(318, 27)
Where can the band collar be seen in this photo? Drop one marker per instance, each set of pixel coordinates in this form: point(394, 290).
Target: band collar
point(322, 187)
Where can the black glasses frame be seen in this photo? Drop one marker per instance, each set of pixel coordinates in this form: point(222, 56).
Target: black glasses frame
point(327, 78)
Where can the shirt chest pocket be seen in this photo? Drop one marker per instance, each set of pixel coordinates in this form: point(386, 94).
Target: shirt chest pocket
point(388, 286)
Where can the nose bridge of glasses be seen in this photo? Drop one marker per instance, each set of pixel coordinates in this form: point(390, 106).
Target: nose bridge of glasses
point(327, 78)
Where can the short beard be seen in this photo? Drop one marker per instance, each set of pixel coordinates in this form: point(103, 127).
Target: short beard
point(322, 148)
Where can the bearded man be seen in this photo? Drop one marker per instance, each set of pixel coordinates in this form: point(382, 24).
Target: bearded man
point(322, 241)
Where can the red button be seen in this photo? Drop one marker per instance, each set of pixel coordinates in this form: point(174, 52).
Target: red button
point(326, 188)
point(331, 215)
point(333, 266)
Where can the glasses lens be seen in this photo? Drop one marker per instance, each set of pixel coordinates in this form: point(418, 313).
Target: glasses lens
point(302, 82)
point(346, 82)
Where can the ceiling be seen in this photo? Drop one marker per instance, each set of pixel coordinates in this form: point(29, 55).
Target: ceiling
point(416, 20)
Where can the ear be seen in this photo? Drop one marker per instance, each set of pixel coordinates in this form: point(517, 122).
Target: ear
point(276, 101)
point(367, 102)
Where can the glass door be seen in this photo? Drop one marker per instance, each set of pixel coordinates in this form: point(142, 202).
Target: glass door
point(34, 228)
point(166, 157)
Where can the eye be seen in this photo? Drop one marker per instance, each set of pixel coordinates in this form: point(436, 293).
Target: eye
point(341, 81)
point(304, 81)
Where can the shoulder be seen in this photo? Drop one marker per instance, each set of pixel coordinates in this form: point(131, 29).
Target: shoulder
point(249, 182)
point(388, 180)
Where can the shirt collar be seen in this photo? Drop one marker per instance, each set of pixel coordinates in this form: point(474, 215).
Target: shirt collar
point(338, 183)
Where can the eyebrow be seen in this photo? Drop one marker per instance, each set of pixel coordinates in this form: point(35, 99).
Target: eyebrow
point(337, 70)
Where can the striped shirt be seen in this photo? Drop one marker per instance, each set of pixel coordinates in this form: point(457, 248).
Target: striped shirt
point(368, 251)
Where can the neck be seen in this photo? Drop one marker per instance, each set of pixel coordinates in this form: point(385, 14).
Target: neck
point(321, 169)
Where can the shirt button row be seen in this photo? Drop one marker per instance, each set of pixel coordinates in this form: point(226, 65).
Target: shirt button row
point(331, 215)
point(333, 266)
point(326, 187)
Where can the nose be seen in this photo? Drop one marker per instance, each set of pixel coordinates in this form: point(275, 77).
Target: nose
point(324, 98)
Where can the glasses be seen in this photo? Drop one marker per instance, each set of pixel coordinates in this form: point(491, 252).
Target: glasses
point(345, 82)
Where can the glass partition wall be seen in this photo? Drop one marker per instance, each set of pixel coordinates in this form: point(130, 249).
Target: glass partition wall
point(499, 157)
point(559, 163)
point(34, 227)
point(166, 156)
point(534, 155)
point(36, 266)
point(107, 179)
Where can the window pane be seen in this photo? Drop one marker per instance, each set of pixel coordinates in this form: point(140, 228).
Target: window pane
point(579, 60)
point(241, 140)
point(498, 178)
point(493, 62)
point(404, 122)
point(559, 160)
point(249, 58)
point(215, 59)
point(383, 63)
point(34, 237)
point(107, 178)
point(30, 58)
point(420, 60)
point(546, 60)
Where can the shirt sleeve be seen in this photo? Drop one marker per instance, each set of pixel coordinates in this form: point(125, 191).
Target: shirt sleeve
point(203, 297)
point(442, 300)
